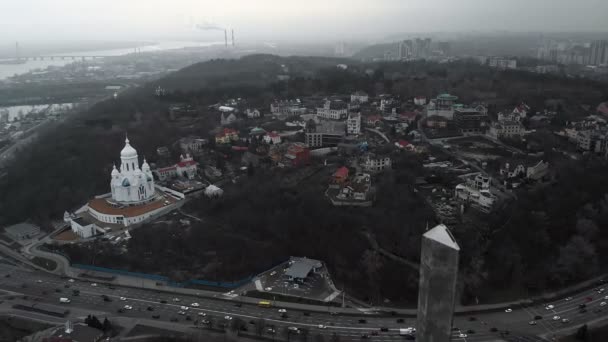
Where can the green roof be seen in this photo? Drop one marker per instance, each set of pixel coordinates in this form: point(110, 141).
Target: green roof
point(447, 97)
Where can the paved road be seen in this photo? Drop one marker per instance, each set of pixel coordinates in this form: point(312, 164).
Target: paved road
point(42, 287)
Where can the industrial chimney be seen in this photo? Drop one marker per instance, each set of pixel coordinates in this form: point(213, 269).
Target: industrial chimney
point(226, 37)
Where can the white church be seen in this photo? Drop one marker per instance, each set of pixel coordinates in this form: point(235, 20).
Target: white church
point(133, 199)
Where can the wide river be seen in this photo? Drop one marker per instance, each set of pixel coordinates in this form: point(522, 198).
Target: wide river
point(8, 70)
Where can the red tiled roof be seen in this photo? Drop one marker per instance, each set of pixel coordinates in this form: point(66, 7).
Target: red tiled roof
point(403, 143)
point(186, 163)
point(102, 206)
point(341, 172)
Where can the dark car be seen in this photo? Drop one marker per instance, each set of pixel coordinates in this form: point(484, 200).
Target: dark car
point(284, 315)
point(111, 287)
point(149, 308)
point(156, 316)
point(365, 336)
point(75, 292)
point(400, 320)
point(58, 290)
point(384, 329)
point(67, 286)
point(362, 321)
point(121, 310)
point(163, 302)
point(238, 305)
point(188, 318)
point(106, 298)
point(582, 306)
point(173, 319)
point(493, 329)
point(470, 331)
point(306, 314)
point(582, 311)
point(375, 333)
point(537, 317)
point(410, 337)
point(7, 276)
point(472, 319)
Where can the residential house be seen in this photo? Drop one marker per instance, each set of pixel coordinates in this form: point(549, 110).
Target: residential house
point(287, 108)
point(226, 136)
point(359, 96)
point(272, 138)
point(442, 106)
point(373, 120)
point(193, 145)
point(252, 113)
point(186, 167)
point(374, 163)
point(476, 191)
point(297, 155)
point(353, 124)
point(506, 129)
point(340, 176)
point(227, 118)
point(471, 120)
point(333, 110)
point(419, 100)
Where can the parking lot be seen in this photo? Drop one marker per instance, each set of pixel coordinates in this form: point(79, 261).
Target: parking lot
point(316, 286)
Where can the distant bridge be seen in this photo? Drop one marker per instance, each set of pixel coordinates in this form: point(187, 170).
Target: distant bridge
point(72, 57)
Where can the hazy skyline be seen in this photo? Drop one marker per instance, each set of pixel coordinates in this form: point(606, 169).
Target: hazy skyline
point(311, 20)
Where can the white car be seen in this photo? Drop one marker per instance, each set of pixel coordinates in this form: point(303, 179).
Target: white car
point(71, 280)
point(549, 307)
point(176, 299)
point(269, 289)
point(602, 303)
point(181, 313)
point(228, 318)
point(202, 314)
point(565, 320)
point(282, 310)
point(39, 281)
point(606, 297)
point(185, 308)
point(195, 305)
point(94, 284)
point(508, 310)
point(568, 299)
point(321, 326)
point(532, 322)
point(123, 298)
point(273, 273)
point(462, 335)
point(128, 307)
point(556, 318)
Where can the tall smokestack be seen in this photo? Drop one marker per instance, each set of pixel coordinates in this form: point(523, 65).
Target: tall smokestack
point(226, 37)
point(232, 37)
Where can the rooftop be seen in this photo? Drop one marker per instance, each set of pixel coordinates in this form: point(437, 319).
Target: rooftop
point(300, 267)
point(447, 97)
point(101, 205)
point(442, 234)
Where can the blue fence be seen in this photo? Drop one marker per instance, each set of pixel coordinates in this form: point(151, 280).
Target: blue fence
point(155, 277)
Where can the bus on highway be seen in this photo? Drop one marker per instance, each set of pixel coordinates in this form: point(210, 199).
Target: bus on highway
point(264, 304)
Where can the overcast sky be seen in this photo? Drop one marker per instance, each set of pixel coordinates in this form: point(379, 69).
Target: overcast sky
point(288, 19)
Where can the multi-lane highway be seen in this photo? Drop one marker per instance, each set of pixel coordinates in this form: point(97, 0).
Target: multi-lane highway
point(167, 307)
